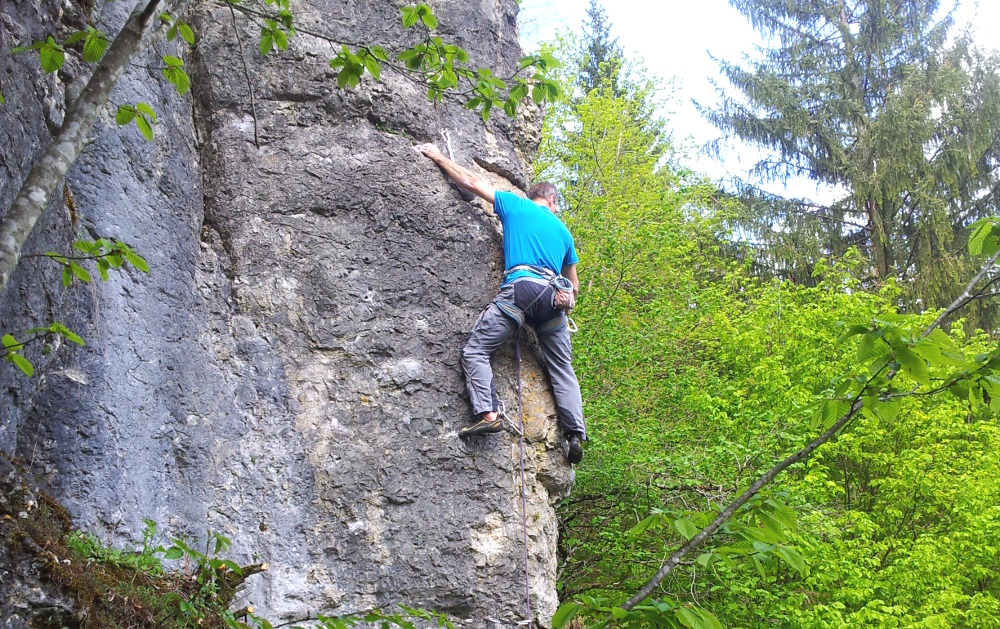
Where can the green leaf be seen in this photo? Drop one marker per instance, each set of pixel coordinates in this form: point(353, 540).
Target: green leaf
point(71, 336)
point(688, 617)
point(913, 365)
point(136, 260)
point(19, 49)
point(686, 527)
point(266, 42)
point(373, 66)
point(186, 33)
point(22, 363)
point(866, 348)
point(76, 37)
point(9, 341)
point(173, 553)
point(172, 61)
point(618, 612)
point(792, 558)
point(146, 109)
point(2, 101)
point(784, 514)
point(429, 20)
point(643, 525)
point(124, 115)
point(176, 75)
point(80, 272)
point(983, 237)
point(51, 56)
point(67, 276)
point(172, 32)
point(86, 246)
point(537, 93)
point(280, 40)
point(94, 46)
point(775, 532)
point(565, 613)
point(410, 16)
point(55, 256)
point(854, 330)
point(144, 127)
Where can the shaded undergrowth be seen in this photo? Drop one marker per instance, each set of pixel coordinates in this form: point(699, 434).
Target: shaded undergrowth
point(98, 587)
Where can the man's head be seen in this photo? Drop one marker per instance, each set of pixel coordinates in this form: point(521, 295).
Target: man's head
point(545, 194)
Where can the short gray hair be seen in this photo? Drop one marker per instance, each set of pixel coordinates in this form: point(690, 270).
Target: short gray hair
point(543, 190)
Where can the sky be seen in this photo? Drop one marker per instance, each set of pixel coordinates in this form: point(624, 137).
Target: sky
point(677, 38)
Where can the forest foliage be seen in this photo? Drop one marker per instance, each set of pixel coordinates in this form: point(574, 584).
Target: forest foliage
point(701, 371)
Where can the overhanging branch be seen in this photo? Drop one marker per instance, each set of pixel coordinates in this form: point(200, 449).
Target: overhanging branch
point(50, 170)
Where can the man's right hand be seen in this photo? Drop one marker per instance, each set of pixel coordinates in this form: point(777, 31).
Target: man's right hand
point(463, 177)
point(430, 151)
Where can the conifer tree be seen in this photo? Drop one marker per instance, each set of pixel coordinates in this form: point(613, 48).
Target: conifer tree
point(602, 58)
point(873, 98)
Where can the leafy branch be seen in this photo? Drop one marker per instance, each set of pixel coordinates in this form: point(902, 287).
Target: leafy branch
point(442, 68)
point(106, 254)
point(12, 348)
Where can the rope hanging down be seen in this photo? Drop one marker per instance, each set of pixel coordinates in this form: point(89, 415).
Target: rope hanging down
point(524, 501)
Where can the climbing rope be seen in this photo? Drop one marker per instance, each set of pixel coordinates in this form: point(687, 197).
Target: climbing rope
point(524, 500)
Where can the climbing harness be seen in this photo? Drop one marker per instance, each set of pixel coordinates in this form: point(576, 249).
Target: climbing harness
point(559, 283)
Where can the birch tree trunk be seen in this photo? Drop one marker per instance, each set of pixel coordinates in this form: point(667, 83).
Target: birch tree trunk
point(49, 171)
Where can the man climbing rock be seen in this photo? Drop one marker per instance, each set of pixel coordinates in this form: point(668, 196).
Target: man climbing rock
point(540, 285)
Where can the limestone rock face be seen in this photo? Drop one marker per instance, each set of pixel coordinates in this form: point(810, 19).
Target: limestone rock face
point(288, 373)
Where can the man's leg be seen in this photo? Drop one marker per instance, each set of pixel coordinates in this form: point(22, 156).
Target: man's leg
point(557, 351)
point(490, 331)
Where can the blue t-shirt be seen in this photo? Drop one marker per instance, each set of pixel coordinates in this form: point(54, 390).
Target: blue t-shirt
point(532, 235)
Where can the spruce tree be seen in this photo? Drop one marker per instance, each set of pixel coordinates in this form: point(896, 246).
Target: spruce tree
point(873, 98)
point(602, 58)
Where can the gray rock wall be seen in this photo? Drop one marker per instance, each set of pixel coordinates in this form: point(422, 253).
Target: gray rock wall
point(288, 374)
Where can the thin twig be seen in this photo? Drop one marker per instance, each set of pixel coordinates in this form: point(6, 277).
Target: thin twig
point(966, 295)
point(246, 72)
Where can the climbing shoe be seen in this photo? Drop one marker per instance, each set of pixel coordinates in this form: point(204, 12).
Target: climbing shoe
point(482, 427)
point(575, 453)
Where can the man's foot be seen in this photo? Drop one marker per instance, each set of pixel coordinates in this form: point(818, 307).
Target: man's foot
point(575, 454)
point(490, 422)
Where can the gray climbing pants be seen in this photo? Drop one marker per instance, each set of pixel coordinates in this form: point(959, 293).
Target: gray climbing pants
point(490, 331)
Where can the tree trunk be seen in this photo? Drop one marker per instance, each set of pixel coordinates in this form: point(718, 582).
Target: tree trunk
point(49, 172)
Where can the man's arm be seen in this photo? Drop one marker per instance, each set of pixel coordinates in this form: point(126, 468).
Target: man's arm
point(463, 177)
point(569, 272)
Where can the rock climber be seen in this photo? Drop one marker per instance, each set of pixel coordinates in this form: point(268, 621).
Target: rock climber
point(540, 286)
